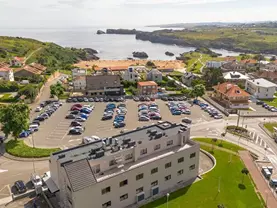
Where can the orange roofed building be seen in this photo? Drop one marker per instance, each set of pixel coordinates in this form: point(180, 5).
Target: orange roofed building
point(231, 96)
point(147, 88)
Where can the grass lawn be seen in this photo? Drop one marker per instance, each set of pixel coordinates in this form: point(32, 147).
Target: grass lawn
point(64, 96)
point(269, 126)
point(8, 98)
point(204, 194)
point(271, 102)
point(67, 72)
point(20, 149)
point(220, 143)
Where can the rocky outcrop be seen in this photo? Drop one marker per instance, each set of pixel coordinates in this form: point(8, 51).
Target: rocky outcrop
point(140, 54)
point(100, 32)
point(122, 31)
point(169, 53)
point(90, 50)
point(207, 51)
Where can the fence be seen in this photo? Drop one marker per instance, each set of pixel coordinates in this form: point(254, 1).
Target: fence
point(215, 104)
point(257, 114)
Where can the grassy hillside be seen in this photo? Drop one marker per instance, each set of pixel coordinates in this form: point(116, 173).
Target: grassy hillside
point(48, 54)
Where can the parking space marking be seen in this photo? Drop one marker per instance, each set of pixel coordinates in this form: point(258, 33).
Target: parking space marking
point(2, 171)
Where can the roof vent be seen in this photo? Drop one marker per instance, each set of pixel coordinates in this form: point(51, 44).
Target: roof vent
point(115, 148)
point(99, 154)
point(131, 143)
point(126, 140)
point(153, 132)
point(158, 135)
point(139, 142)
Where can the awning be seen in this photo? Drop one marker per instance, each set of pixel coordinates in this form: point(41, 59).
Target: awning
point(50, 183)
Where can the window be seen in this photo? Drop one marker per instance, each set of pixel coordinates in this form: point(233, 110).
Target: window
point(107, 204)
point(143, 151)
point(139, 190)
point(167, 165)
point(123, 183)
point(153, 87)
point(154, 183)
point(129, 157)
point(106, 190)
point(180, 172)
point(157, 146)
point(69, 188)
point(181, 159)
point(192, 155)
point(167, 178)
point(112, 162)
point(123, 197)
point(192, 167)
point(154, 170)
point(170, 142)
point(139, 176)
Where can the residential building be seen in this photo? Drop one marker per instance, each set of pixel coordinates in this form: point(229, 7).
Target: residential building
point(261, 88)
point(155, 75)
point(249, 62)
point(147, 88)
point(230, 59)
point(17, 61)
point(214, 64)
point(79, 83)
point(29, 70)
point(267, 74)
point(76, 72)
point(113, 68)
point(188, 77)
point(233, 66)
point(270, 67)
point(6, 73)
point(104, 84)
point(235, 78)
point(131, 75)
point(129, 169)
point(231, 96)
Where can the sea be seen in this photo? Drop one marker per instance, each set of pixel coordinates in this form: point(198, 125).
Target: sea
point(109, 46)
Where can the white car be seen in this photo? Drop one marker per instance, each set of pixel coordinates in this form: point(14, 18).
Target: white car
point(87, 140)
point(38, 109)
point(36, 180)
point(80, 119)
point(91, 107)
point(80, 128)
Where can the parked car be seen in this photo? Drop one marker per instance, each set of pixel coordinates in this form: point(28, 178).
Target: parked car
point(176, 112)
point(156, 117)
point(186, 111)
point(75, 108)
point(70, 116)
point(107, 117)
point(259, 102)
point(80, 99)
point(40, 118)
point(44, 115)
point(187, 120)
point(75, 132)
point(75, 123)
point(83, 115)
point(38, 109)
point(69, 100)
point(74, 112)
point(218, 116)
point(136, 99)
point(20, 186)
point(74, 100)
point(91, 100)
point(35, 122)
point(36, 180)
point(80, 119)
point(119, 124)
point(78, 105)
point(85, 99)
point(144, 118)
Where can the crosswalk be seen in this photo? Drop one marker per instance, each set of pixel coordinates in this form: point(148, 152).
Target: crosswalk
point(255, 138)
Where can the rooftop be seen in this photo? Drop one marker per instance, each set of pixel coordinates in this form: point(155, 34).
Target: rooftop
point(79, 78)
point(5, 69)
point(147, 83)
point(262, 82)
point(234, 75)
point(230, 90)
point(38, 66)
point(249, 61)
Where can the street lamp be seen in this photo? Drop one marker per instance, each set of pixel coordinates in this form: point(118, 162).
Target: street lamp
point(167, 196)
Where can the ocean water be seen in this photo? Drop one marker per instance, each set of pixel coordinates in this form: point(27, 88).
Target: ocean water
point(109, 46)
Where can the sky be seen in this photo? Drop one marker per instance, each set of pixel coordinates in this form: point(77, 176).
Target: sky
point(130, 13)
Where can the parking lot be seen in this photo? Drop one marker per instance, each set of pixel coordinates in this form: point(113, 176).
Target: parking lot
point(53, 132)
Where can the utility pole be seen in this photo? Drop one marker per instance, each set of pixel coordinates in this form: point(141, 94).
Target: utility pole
point(238, 118)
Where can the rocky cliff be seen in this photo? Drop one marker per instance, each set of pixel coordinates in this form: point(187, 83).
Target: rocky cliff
point(122, 31)
point(100, 32)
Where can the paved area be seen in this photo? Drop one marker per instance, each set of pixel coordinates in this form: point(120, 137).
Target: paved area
point(261, 185)
point(27, 202)
point(205, 163)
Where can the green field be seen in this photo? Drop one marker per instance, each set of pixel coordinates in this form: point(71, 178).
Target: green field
point(269, 126)
point(204, 194)
point(271, 102)
point(20, 149)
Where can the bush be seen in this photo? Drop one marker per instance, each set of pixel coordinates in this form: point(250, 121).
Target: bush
point(237, 128)
point(8, 98)
point(7, 86)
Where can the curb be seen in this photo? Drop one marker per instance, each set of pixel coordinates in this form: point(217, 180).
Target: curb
point(212, 158)
point(21, 159)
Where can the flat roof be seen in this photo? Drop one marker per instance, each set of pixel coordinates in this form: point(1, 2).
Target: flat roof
point(262, 82)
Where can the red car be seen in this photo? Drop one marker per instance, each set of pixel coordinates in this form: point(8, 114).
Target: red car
point(78, 105)
point(152, 99)
point(75, 108)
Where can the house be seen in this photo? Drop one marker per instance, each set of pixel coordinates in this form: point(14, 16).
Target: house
point(131, 75)
point(125, 170)
point(231, 96)
point(267, 74)
point(270, 67)
point(166, 67)
point(17, 61)
point(155, 75)
point(233, 66)
point(214, 64)
point(261, 88)
point(76, 72)
point(39, 67)
point(249, 62)
point(235, 78)
point(104, 84)
point(113, 68)
point(6, 73)
point(79, 83)
point(230, 59)
point(188, 77)
point(29, 70)
point(147, 88)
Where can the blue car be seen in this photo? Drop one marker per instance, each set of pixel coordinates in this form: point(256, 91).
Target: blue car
point(24, 134)
point(85, 111)
point(119, 124)
point(176, 112)
point(83, 115)
point(118, 120)
point(111, 106)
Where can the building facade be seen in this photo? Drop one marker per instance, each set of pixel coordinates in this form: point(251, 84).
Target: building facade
point(125, 170)
point(261, 88)
point(78, 72)
point(6, 73)
point(147, 88)
point(235, 78)
point(155, 75)
point(79, 83)
point(104, 85)
point(131, 75)
point(214, 64)
point(188, 77)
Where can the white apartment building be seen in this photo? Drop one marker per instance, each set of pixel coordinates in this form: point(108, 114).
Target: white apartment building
point(125, 170)
point(6, 73)
point(79, 83)
point(78, 72)
point(261, 88)
point(131, 75)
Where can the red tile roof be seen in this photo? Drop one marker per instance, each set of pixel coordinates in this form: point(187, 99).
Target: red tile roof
point(148, 83)
point(19, 59)
point(3, 64)
point(249, 61)
point(230, 90)
point(267, 74)
point(80, 78)
point(230, 58)
point(32, 69)
point(38, 66)
point(5, 69)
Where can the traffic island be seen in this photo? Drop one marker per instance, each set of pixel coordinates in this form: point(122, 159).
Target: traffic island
point(18, 148)
point(238, 131)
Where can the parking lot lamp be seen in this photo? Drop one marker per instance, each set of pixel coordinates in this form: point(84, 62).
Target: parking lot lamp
point(167, 196)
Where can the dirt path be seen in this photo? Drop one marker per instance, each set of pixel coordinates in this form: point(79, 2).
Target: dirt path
point(260, 182)
point(29, 56)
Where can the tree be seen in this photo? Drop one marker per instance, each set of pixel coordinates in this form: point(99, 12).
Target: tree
point(214, 140)
point(150, 64)
point(57, 89)
point(273, 58)
point(14, 119)
point(197, 81)
point(186, 92)
point(259, 57)
point(212, 77)
point(198, 90)
point(171, 83)
point(244, 171)
point(30, 91)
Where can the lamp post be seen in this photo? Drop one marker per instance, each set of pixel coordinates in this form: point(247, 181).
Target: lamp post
point(167, 196)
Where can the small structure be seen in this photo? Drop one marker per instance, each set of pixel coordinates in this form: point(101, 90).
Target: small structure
point(79, 83)
point(30, 70)
point(261, 88)
point(270, 67)
point(130, 75)
point(214, 64)
point(147, 88)
point(249, 62)
point(231, 96)
point(230, 59)
point(235, 77)
point(188, 77)
point(267, 74)
point(17, 61)
point(6, 73)
point(76, 72)
point(155, 75)
point(233, 66)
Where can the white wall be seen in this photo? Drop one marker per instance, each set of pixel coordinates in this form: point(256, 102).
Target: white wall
point(260, 92)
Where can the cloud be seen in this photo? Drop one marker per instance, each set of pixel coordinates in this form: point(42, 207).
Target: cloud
point(173, 2)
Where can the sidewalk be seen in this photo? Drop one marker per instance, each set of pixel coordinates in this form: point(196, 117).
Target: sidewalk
point(260, 182)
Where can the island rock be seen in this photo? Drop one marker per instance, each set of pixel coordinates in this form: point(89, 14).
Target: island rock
point(100, 32)
point(169, 53)
point(122, 31)
point(140, 54)
point(90, 50)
